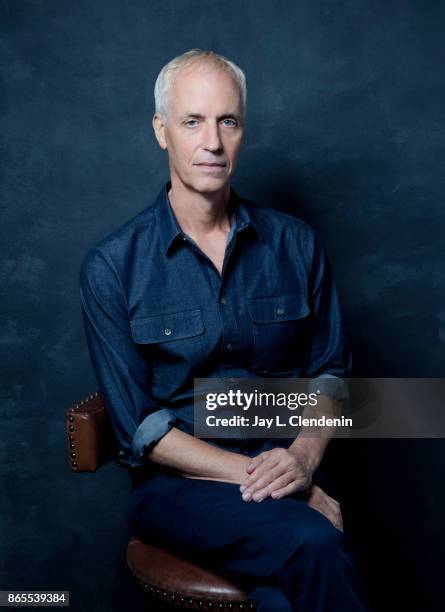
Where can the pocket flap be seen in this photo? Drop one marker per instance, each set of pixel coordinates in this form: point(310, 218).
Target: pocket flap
point(276, 309)
point(168, 327)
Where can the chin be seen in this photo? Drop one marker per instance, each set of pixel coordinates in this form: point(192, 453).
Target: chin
point(210, 184)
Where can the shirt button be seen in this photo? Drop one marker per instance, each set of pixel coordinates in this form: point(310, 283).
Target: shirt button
point(280, 311)
point(229, 347)
point(167, 331)
point(223, 301)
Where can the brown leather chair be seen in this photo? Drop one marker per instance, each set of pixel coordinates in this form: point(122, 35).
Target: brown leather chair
point(165, 576)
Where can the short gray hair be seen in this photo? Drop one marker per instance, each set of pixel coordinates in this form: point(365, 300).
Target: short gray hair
point(165, 77)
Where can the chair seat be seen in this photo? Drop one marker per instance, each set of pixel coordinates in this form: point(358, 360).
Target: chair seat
point(182, 583)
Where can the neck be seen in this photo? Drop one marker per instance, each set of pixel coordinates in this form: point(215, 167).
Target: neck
point(197, 213)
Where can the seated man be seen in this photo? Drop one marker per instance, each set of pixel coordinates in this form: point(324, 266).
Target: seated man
point(206, 284)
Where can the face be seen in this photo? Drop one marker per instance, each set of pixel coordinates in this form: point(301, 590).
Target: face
point(204, 130)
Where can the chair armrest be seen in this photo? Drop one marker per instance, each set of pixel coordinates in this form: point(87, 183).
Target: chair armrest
point(90, 438)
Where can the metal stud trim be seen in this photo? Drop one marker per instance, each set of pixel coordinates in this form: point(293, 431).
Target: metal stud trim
point(191, 602)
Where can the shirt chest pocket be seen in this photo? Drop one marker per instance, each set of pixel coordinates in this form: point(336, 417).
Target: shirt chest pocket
point(280, 327)
point(172, 343)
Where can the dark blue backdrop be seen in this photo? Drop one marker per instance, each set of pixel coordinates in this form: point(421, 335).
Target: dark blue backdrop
point(346, 106)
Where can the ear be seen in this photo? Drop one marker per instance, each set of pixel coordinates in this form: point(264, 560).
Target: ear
point(159, 128)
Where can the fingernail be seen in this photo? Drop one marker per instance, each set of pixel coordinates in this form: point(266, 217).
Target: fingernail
point(246, 496)
point(242, 488)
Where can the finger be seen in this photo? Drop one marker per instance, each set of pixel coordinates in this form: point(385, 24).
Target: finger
point(251, 467)
point(260, 484)
point(255, 462)
point(259, 460)
point(262, 468)
point(271, 466)
point(277, 483)
point(290, 488)
point(275, 455)
point(252, 484)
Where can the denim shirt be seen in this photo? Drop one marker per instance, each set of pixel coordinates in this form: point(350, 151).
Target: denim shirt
point(157, 314)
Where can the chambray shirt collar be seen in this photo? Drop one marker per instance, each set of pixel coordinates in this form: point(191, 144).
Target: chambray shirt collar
point(172, 234)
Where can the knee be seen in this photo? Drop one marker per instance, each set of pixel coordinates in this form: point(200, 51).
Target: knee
point(319, 539)
point(324, 540)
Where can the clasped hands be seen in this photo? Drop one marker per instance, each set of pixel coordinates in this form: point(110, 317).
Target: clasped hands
point(280, 472)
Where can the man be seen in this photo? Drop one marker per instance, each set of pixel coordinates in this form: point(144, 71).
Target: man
point(206, 284)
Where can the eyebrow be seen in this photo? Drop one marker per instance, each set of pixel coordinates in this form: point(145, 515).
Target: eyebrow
point(199, 116)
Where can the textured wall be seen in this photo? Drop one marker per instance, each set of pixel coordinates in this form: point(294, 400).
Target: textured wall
point(346, 106)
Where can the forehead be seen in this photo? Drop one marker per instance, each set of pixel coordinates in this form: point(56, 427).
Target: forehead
point(203, 88)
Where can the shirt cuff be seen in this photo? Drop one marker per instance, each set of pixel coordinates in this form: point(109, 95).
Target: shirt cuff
point(152, 429)
point(328, 384)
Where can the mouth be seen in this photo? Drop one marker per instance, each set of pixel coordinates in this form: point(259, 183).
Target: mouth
point(212, 168)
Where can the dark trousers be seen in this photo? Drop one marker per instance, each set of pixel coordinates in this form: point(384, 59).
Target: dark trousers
point(286, 555)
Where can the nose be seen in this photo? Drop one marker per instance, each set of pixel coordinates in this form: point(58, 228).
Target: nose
point(211, 140)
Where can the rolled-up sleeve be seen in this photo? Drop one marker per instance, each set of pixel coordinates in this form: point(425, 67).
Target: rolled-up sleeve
point(328, 358)
point(121, 371)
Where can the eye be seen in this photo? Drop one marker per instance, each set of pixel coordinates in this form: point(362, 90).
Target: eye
point(229, 122)
point(191, 123)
